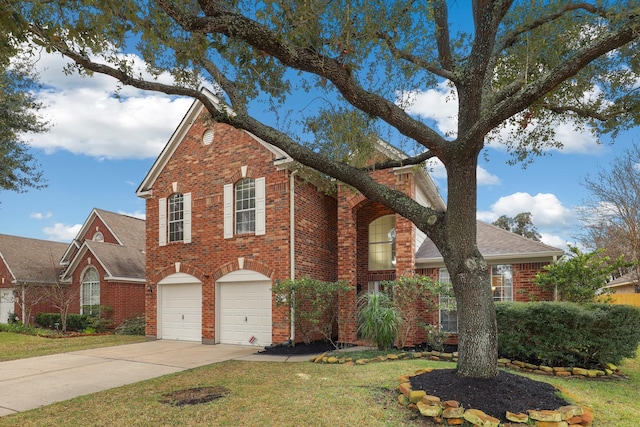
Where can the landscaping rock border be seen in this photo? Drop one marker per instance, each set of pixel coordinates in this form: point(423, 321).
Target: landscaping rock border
point(451, 413)
point(609, 370)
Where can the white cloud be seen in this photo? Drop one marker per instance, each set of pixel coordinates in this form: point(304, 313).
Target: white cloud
point(441, 106)
point(546, 210)
point(40, 215)
point(555, 241)
point(436, 170)
point(62, 232)
point(88, 119)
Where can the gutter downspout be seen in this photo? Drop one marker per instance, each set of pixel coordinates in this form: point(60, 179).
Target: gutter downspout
point(292, 251)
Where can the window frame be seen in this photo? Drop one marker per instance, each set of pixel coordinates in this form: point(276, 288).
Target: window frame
point(446, 318)
point(502, 282)
point(382, 253)
point(88, 297)
point(244, 206)
point(175, 218)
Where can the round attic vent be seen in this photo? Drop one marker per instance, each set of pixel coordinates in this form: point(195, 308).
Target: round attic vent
point(207, 137)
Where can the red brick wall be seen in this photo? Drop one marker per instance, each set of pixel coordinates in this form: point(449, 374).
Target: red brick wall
point(203, 171)
point(95, 226)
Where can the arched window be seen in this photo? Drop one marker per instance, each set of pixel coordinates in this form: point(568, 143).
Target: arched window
point(98, 237)
point(382, 243)
point(245, 204)
point(176, 217)
point(90, 293)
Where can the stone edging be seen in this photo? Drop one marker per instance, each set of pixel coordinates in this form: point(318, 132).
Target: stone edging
point(610, 370)
point(450, 413)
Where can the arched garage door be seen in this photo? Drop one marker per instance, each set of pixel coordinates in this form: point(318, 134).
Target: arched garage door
point(180, 308)
point(243, 304)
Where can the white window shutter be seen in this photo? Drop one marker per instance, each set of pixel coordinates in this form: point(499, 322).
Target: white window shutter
point(186, 219)
point(162, 219)
point(261, 220)
point(228, 211)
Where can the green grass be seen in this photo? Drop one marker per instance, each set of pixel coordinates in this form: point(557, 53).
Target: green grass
point(20, 346)
point(300, 394)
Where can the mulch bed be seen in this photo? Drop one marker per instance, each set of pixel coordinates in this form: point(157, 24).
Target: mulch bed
point(495, 396)
point(315, 347)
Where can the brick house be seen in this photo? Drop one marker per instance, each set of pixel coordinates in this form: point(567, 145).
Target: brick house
point(26, 267)
point(227, 217)
point(104, 266)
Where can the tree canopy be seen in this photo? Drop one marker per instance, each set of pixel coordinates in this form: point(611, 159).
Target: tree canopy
point(318, 78)
point(520, 224)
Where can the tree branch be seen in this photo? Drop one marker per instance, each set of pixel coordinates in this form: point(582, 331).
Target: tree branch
point(441, 18)
point(221, 21)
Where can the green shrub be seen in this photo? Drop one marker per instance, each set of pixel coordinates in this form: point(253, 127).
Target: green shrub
point(133, 326)
point(378, 319)
point(75, 322)
point(567, 334)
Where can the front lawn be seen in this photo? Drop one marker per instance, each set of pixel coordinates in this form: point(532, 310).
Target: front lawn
point(20, 346)
point(300, 394)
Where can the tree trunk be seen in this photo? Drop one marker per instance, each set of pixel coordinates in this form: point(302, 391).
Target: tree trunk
point(477, 330)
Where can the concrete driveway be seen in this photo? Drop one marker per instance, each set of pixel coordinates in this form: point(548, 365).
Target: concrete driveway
point(38, 381)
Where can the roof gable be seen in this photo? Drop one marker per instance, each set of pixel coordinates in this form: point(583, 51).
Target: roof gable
point(119, 262)
point(196, 109)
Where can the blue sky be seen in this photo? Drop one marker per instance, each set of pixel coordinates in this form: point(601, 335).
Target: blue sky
point(100, 148)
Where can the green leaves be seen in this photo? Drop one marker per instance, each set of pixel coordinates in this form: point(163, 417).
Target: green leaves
point(578, 277)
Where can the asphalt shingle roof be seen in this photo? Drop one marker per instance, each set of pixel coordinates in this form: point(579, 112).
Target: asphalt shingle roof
point(493, 242)
point(32, 260)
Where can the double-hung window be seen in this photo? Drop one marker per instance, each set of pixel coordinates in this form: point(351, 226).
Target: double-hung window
point(245, 206)
point(502, 282)
point(174, 214)
point(176, 217)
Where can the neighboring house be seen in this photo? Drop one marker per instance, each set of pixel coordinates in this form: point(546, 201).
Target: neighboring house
point(101, 272)
point(27, 268)
point(105, 266)
point(227, 217)
point(625, 284)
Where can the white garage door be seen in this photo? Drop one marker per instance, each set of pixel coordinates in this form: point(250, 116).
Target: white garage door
point(245, 313)
point(181, 312)
point(6, 304)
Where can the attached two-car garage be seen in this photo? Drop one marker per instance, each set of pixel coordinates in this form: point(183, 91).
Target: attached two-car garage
point(242, 308)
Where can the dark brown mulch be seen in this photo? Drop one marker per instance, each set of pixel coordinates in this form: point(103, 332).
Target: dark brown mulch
point(496, 396)
point(194, 396)
point(315, 347)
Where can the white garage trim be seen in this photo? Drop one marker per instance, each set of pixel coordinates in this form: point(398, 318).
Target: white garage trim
point(179, 306)
point(243, 309)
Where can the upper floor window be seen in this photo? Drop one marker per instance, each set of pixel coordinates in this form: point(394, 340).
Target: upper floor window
point(90, 293)
point(245, 206)
point(98, 237)
point(176, 217)
point(382, 243)
point(447, 305)
point(502, 282)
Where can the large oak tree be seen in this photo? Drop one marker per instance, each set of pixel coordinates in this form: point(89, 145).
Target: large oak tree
point(317, 78)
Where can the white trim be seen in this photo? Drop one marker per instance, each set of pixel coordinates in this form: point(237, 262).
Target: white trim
point(162, 221)
point(228, 211)
point(186, 218)
point(261, 217)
